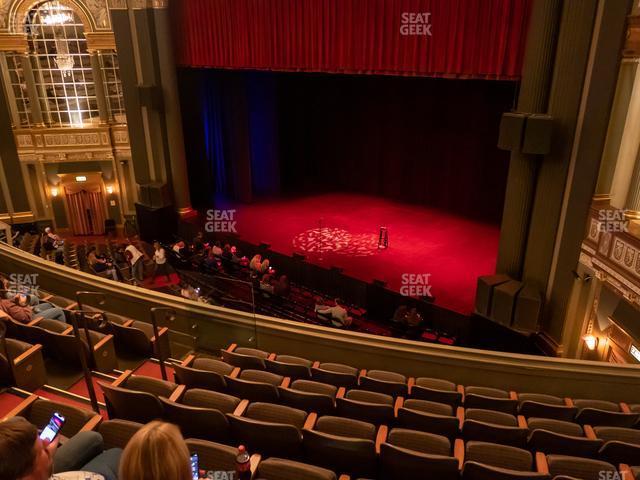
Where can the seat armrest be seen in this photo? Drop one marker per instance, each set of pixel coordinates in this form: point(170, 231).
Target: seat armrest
point(92, 424)
point(241, 408)
point(35, 322)
point(22, 409)
point(188, 361)
point(342, 391)
point(71, 306)
point(589, 432)
point(316, 364)
point(178, 393)
point(542, 466)
point(104, 341)
point(522, 422)
point(458, 452)
point(344, 477)
point(411, 381)
point(161, 332)
point(460, 389)
point(127, 323)
point(118, 382)
point(381, 438)
point(513, 395)
point(68, 331)
point(460, 415)
point(26, 355)
point(398, 405)
point(235, 372)
point(254, 461)
point(624, 408)
point(231, 347)
point(311, 420)
point(568, 402)
point(626, 473)
point(286, 381)
point(363, 373)
point(272, 356)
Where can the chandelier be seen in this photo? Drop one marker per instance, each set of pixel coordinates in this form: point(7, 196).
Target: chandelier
point(64, 60)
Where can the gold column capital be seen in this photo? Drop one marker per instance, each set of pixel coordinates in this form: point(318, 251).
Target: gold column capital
point(14, 42)
point(100, 41)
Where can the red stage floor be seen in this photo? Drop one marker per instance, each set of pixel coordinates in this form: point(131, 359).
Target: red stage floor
point(453, 250)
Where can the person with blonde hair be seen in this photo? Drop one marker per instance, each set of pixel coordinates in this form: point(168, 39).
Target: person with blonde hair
point(156, 452)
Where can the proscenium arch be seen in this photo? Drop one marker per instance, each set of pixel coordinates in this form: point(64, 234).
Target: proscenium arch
point(20, 9)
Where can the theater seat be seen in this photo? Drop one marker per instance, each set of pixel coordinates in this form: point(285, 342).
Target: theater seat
point(381, 381)
point(281, 469)
point(411, 454)
point(25, 366)
point(622, 445)
point(342, 445)
point(335, 374)
point(202, 372)
point(373, 407)
point(495, 427)
point(431, 417)
point(436, 390)
point(310, 396)
point(601, 412)
point(245, 358)
point(255, 385)
point(290, 366)
point(562, 438)
point(488, 461)
point(216, 457)
point(580, 468)
point(198, 397)
point(273, 430)
point(545, 406)
point(197, 422)
point(117, 433)
point(490, 399)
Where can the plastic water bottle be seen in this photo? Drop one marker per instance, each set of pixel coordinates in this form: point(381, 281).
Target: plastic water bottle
point(243, 464)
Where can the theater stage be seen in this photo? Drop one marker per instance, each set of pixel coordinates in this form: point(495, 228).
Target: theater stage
point(342, 230)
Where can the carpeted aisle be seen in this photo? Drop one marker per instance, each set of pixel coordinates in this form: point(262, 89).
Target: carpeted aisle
point(452, 249)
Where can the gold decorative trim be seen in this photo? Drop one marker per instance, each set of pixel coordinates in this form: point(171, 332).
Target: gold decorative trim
point(118, 4)
point(632, 215)
point(97, 41)
point(14, 42)
point(17, 216)
point(21, 8)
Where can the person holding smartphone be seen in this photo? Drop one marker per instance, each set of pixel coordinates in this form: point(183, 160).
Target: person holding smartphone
point(28, 455)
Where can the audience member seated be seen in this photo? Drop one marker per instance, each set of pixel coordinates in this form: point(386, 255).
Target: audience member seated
point(338, 314)
point(266, 283)
point(20, 310)
point(26, 457)
point(180, 248)
point(199, 244)
point(282, 287)
point(136, 260)
point(53, 245)
point(99, 264)
point(156, 452)
point(258, 265)
point(216, 249)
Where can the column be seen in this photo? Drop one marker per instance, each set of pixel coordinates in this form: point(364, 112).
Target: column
point(533, 98)
point(11, 99)
point(172, 114)
point(32, 89)
point(98, 79)
point(632, 205)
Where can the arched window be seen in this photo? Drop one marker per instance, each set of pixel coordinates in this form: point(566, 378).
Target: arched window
point(61, 64)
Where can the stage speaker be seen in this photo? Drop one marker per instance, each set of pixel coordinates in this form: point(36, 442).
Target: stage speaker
point(528, 308)
point(155, 195)
point(156, 223)
point(504, 302)
point(537, 135)
point(511, 131)
point(484, 292)
point(151, 97)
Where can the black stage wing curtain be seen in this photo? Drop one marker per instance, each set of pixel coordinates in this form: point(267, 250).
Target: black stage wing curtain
point(440, 38)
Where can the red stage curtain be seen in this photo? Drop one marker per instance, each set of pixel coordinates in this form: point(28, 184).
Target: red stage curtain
point(87, 210)
point(470, 38)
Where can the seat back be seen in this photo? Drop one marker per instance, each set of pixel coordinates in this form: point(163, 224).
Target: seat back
point(117, 433)
point(291, 370)
point(198, 397)
point(543, 410)
point(557, 443)
point(622, 445)
point(281, 469)
point(480, 471)
point(154, 386)
point(398, 463)
point(384, 383)
point(243, 361)
point(75, 418)
point(213, 456)
point(131, 405)
point(196, 422)
point(195, 378)
point(274, 413)
point(495, 427)
point(339, 379)
point(582, 468)
point(353, 456)
point(447, 426)
point(480, 397)
point(268, 438)
point(254, 391)
point(131, 340)
point(375, 413)
point(596, 417)
point(309, 402)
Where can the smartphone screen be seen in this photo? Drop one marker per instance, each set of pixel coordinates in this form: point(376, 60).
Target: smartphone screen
point(50, 432)
point(195, 467)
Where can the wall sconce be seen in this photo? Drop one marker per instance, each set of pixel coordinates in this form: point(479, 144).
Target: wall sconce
point(54, 191)
point(110, 189)
point(591, 341)
point(81, 178)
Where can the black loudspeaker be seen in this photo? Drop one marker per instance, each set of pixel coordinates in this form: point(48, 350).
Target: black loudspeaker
point(511, 131)
point(504, 302)
point(528, 309)
point(151, 97)
point(155, 195)
point(156, 223)
point(484, 292)
point(537, 135)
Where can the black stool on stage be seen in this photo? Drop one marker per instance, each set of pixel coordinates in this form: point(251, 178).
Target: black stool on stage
point(383, 238)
